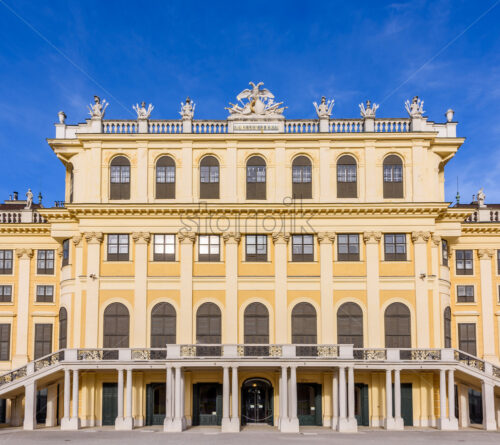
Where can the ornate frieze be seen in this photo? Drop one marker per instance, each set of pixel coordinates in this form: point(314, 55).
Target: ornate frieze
point(94, 237)
point(420, 237)
point(24, 253)
point(141, 237)
point(372, 237)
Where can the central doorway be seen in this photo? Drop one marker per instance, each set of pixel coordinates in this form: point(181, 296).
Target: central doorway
point(207, 404)
point(155, 403)
point(257, 402)
point(309, 404)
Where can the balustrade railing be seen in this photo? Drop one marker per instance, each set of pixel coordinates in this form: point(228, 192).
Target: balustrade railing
point(97, 354)
point(346, 125)
point(201, 351)
point(48, 360)
point(149, 354)
point(10, 217)
point(165, 127)
point(469, 360)
point(14, 375)
point(120, 126)
point(369, 354)
point(302, 126)
point(209, 127)
point(392, 125)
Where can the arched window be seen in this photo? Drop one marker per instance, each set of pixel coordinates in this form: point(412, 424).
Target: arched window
point(301, 178)
point(304, 324)
point(165, 178)
point(120, 178)
point(447, 327)
point(63, 328)
point(208, 324)
point(347, 185)
point(393, 177)
point(256, 326)
point(350, 325)
point(116, 326)
point(162, 325)
point(397, 326)
point(256, 178)
point(209, 178)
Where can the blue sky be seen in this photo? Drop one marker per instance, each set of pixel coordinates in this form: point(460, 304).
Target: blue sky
point(56, 55)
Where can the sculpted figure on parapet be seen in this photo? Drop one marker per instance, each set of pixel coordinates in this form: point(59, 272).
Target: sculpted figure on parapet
point(29, 199)
point(369, 110)
point(260, 102)
point(415, 108)
point(187, 109)
point(324, 109)
point(142, 111)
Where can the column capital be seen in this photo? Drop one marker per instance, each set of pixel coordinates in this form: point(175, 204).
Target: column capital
point(141, 237)
point(77, 239)
point(186, 237)
point(372, 237)
point(94, 237)
point(485, 254)
point(281, 238)
point(326, 237)
point(24, 253)
point(232, 237)
point(420, 237)
point(436, 239)
point(60, 251)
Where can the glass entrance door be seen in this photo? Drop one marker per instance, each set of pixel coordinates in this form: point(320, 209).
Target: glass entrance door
point(207, 404)
point(256, 402)
point(155, 403)
point(109, 403)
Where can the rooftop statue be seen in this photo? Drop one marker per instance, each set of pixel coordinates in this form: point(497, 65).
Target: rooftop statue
point(187, 110)
point(481, 197)
point(259, 103)
point(97, 110)
point(415, 108)
point(29, 199)
point(370, 109)
point(324, 109)
point(142, 112)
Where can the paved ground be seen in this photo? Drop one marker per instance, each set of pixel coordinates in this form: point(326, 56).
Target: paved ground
point(249, 436)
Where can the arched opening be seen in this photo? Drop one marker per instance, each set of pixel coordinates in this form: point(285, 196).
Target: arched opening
point(304, 330)
point(163, 320)
point(165, 178)
point(447, 327)
point(208, 329)
point(347, 181)
point(393, 177)
point(397, 322)
point(301, 178)
point(350, 325)
point(256, 178)
point(257, 401)
point(209, 178)
point(116, 326)
point(120, 178)
point(63, 328)
point(256, 329)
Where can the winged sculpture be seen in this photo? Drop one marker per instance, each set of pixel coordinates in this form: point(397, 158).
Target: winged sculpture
point(259, 101)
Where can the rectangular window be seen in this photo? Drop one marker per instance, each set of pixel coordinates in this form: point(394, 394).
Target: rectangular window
point(393, 173)
point(118, 247)
point(301, 174)
point(5, 262)
point(165, 174)
point(65, 257)
point(120, 174)
point(43, 340)
point(348, 247)
point(395, 247)
point(45, 262)
point(444, 252)
point(256, 173)
point(465, 294)
point(209, 173)
point(4, 342)
point(498, 262)
point(6, 294)
point(467, 337)
point(256, 248)
point(164, 248)
point(44, 294)
point(346, 173)
point(302, 248)
point(463, 261)
point(209, 248)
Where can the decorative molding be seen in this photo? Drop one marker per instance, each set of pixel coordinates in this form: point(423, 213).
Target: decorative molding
point(25, 229)
point(232, 237)
point(94, 237)
point(436, 239)
point(481, 229)
point(186, 237)
point(24, 254)
point(326, 237)
point(281, 238)
point(141, 237)
point(372, 237)
point(60, 251)
point(420, 237)
point(485, 254)
point(77, 239)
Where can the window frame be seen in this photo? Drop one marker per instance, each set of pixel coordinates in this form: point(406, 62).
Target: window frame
point(165, 189)
point(464, 270)
point(257, 183)
point(209, 189)
point(468, 340)
point(256, 257)
point(301, 257)
point(393, 183)
point(44, 297)
point(445, 256)
point(164, 257)
point(395, 256)
point(3, 294)
point(120, 184)
point(43, 342)
point(465, 293)
point(5, 352)
point(348, 256)
point(6, 270)
point(45, 261)
point(347, 182)
point(117, 256)
point(209, 257)
point(65, 253)
point(302, 178)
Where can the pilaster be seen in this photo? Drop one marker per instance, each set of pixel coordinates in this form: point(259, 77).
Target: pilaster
point(437, 318)
point(487, 308)
point(94, 240)
point(141, 173)
point(372, 240)
point(326, 240)
point(280, 241)
point(186, 240)
point(232, 241)
point(141, 240)
point(421, 294)
point(76, 321)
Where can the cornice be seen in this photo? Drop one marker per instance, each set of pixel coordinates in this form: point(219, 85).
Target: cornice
point(481, 229)
point(57, 214)
point(25, 229)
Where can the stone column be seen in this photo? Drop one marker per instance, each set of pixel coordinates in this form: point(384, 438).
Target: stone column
point(398, 420)
point(350, 392)
point(186, 298)
point(452, 420)
point(176, 426)
point(443, 418)
point(75, 418)
point(437, 316)
point(347, 424)
point(168, 398)
point(51, 419)
point(489, 421)
point(94, 240)
point(30, 406)
point(487, 306)
point(139, 339)
point(128, 423)
point(23, 297)
point(280, 289)
point(225, 426)
point(183, 400)
point(119, 419)
point(235, 390)
point(421, 294)
point(326, 240)
point(389, 419)
point(372, 239)
point(342, 400)
point(232, 241)
point(65, 421)
point(283, 397)
point(77, 318)
point(335, 400)
point(293, 422)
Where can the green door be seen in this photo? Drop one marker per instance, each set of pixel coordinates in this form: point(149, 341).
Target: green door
point(109, 403)
point(207, 404)
point(155, 403)
point(361, 404)
point(309, 404)
point(406, 403)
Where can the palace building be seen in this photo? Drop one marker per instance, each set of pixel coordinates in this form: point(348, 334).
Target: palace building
point(251, 270)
